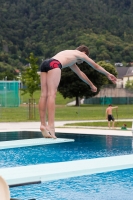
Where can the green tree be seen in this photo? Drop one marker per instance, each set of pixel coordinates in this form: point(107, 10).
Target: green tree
point(30, 77)
point(35, 26)
point(129, 85)
point(72, 86)
point(31, 81)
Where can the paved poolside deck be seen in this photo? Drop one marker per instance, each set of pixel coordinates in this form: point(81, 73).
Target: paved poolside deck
point(60, 128)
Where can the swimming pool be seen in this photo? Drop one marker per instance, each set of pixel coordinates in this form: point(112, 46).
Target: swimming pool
point(116, 185)
point(84, 147)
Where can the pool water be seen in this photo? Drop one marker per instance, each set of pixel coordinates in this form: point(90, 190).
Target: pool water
point(84, 147)
point(116, 185)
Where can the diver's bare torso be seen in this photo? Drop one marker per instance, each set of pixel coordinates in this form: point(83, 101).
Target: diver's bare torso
point(68, 57)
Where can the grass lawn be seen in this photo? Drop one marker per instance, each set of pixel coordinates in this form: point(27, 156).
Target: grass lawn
point(101, 124)
point(63, 112)
point(59, 99)
point(92, 112)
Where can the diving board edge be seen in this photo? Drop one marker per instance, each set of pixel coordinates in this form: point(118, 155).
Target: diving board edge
point(54, 171)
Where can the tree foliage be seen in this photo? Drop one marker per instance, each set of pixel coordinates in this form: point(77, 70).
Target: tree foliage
point(30, 77)
point(7, 72)
point(129, 85)
point(45, 27)
point(71, 86)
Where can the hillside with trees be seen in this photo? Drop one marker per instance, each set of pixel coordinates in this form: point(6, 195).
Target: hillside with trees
point(45, 27)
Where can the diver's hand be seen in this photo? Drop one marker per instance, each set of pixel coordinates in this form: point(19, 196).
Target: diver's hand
point(112, 78)
point(93, 88)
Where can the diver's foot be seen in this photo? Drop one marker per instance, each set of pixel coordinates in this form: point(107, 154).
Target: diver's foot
point(45, 132)
point(51, 131)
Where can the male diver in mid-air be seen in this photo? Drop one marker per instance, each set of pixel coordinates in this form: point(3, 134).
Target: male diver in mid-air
point(50, 78)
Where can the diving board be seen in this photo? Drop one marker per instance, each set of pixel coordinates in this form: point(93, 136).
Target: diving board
point(53, 171)
point(32, 142)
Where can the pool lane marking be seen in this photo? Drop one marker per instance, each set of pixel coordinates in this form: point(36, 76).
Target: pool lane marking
point(54, 171)
point(32, 142)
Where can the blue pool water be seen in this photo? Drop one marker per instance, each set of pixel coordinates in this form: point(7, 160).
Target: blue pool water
point(115, 185)
point(84, 147)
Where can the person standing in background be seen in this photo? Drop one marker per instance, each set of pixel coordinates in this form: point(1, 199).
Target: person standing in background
point(109, 115)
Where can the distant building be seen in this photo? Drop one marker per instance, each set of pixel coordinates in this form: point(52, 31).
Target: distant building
point(118, 65)
point(130, 64)
point(109, 94)
point(121, 72)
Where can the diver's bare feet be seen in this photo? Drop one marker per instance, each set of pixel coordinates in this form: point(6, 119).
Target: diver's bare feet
point(51, 131)
point(45, 132)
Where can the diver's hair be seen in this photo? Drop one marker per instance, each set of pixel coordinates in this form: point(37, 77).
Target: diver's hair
point(83, 48)
point(110, 104)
